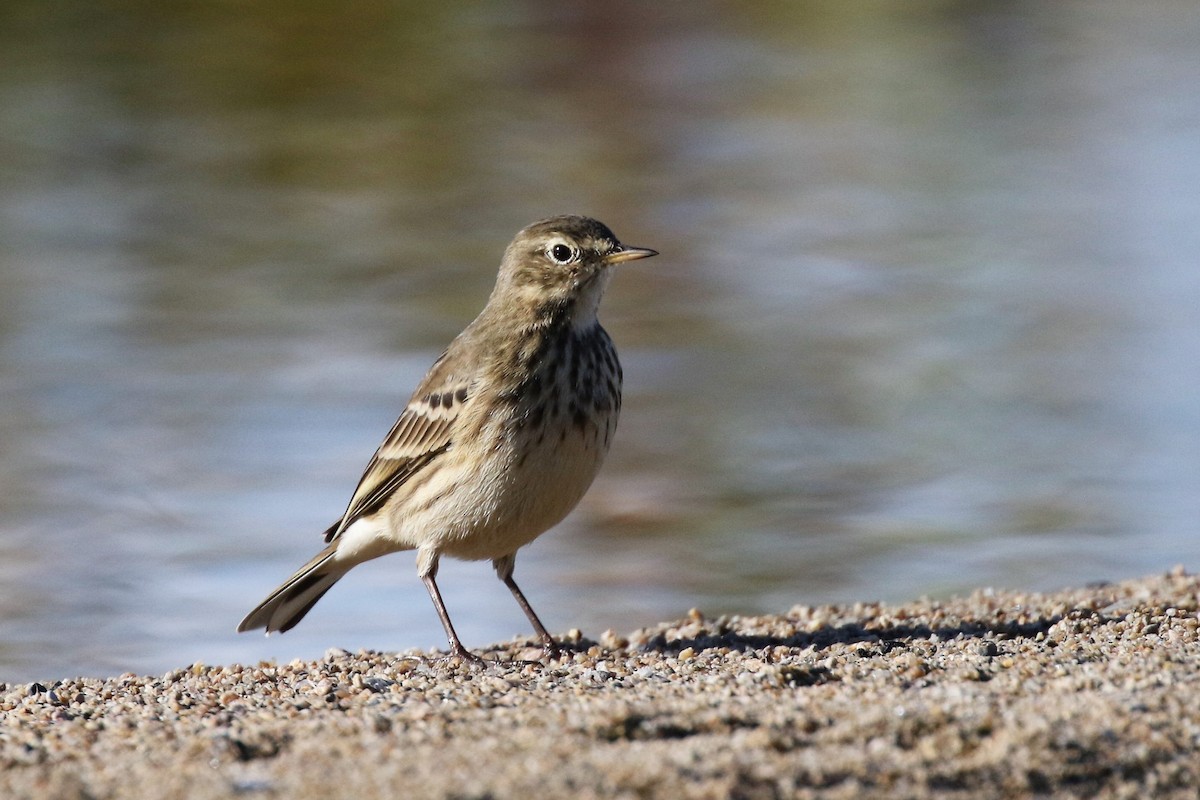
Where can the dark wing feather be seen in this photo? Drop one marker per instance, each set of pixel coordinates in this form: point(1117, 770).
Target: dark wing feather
point(422, 433)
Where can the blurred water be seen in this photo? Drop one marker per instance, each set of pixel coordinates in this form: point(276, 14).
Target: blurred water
point(925, 317)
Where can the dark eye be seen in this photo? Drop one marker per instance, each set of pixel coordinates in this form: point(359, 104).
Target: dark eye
point(562, 254)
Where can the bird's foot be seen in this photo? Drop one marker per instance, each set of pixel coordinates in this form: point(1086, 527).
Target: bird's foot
point(463, 655)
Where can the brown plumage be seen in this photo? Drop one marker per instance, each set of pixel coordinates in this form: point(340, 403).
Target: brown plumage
point(501, 438)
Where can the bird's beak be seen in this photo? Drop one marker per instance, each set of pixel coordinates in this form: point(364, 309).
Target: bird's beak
point(628, 254)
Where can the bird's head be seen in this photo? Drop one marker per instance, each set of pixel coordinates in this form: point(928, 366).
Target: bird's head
point(564, 260)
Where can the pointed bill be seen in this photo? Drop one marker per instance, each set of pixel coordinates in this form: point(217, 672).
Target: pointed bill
point(628, 254)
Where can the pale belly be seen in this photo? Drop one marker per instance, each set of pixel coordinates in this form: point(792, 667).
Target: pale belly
point(521, 495)
point(486, 508)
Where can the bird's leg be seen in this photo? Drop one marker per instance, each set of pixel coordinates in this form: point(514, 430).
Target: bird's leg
point(504, 569)
point(427, 567)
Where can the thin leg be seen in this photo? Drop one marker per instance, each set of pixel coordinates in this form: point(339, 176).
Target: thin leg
point(427, 567)
point(504, 568)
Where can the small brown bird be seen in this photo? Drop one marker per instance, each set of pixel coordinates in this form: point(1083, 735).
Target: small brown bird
point(502, 437)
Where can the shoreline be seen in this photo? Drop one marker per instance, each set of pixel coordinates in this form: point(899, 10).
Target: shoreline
point(1082, 692)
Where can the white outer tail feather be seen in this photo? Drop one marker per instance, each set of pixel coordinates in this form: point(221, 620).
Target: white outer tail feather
point(288, 604)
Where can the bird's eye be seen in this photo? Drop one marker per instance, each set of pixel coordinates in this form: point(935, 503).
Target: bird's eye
point(562, 254)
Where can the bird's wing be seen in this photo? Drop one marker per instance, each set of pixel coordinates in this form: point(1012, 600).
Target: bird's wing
point(422, 433)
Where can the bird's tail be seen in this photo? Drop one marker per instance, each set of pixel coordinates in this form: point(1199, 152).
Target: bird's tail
point(288, 604)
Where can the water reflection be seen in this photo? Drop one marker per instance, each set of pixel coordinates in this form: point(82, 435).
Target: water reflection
point(924, 318)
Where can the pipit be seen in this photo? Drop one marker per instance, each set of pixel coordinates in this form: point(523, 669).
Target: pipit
point(501, 438)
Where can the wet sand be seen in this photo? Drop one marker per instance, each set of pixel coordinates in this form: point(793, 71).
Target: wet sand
point(1091, 692)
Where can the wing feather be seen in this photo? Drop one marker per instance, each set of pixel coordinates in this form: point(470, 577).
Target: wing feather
point(424, 431)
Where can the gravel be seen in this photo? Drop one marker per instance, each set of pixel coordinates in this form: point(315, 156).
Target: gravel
point(1091, 692)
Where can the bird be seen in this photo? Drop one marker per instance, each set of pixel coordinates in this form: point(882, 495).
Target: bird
point(501, 438)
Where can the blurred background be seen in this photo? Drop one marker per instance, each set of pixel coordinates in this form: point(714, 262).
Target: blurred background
point(925, 319)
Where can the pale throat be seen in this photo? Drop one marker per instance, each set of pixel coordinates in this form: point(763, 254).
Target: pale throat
point(587, 303)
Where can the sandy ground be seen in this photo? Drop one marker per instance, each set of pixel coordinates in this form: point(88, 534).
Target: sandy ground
point(1089, 692)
